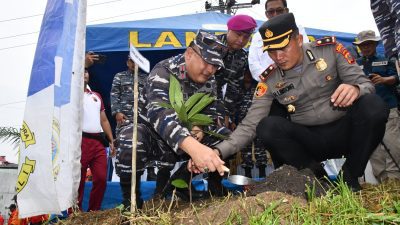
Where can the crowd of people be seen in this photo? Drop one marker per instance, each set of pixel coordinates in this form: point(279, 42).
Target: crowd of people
point(302, 102)
point(287, 99)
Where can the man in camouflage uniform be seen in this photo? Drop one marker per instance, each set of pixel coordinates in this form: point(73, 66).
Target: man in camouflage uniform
point(246, 94)
point(240, 28)
point(332, 111)
point(163, 138)
point(387, 18)
point(122, 102)
point(121, 95)
point(382, 73)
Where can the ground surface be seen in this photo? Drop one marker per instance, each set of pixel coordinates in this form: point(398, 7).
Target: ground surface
point(284, 188)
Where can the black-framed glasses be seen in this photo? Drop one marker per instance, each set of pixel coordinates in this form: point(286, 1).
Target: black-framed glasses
point(277, 11)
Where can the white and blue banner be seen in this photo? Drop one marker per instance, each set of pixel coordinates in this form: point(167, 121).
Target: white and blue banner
point(49, 166)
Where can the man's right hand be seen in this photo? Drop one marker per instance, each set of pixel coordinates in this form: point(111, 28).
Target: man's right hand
point(204, 158)
point(120, 118)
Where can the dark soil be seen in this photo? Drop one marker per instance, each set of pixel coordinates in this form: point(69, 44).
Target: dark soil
point(285, 186)
point(289, 180)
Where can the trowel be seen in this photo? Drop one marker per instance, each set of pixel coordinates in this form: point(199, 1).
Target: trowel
point(238, 179)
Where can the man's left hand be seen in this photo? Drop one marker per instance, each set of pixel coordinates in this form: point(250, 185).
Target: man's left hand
point(345, 95)
point(113, 152)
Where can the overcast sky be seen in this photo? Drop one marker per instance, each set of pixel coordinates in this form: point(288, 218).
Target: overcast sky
point(20, 24)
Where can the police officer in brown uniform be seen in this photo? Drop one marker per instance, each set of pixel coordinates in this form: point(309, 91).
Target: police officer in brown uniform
point(333, 112)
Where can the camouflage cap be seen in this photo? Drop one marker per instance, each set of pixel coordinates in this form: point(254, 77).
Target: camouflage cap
point(212, 50)
point(366, 35)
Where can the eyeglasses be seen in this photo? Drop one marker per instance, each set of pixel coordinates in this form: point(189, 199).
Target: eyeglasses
point(277, 11)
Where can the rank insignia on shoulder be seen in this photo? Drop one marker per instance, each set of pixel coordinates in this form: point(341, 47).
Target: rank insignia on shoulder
point(267, 72)
point(321, 65)
point(345, 53)
point(261, 89)
point(326, 41)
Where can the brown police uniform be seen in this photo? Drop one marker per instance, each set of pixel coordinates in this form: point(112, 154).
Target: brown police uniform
point(315, 128)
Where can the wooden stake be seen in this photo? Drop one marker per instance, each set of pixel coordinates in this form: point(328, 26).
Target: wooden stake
point(134, 138)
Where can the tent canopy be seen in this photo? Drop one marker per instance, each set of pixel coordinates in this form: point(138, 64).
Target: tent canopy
point(170, 32)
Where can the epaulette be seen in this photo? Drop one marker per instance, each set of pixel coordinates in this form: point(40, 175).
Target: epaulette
point(326, 41)
point(267, 72)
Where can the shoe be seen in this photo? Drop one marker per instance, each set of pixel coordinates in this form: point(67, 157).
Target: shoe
point(151, 174)
point(183, 193)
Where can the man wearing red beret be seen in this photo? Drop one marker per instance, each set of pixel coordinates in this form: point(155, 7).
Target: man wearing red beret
point(240, 29)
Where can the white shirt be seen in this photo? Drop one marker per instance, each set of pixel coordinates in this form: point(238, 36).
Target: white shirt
point(259, 60)
point(92, 106)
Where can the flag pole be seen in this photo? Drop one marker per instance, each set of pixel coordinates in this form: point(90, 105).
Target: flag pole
point(134, 137)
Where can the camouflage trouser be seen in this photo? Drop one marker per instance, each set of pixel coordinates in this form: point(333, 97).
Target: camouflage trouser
point(382, 163)
point(387, 18)
point(259, 152)
point(152, 150)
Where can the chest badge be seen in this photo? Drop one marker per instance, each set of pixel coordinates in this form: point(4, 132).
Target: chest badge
point(280, 84)
point(289, 98)
point(291, 108)
point(321, 65)
point(261, 89)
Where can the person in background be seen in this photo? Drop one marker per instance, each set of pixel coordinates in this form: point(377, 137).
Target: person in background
point(1, 219)
point(240, 29)
point(333, 112)
point(387, 17)
point(259, 60)
point(13, 219)
point(256, 150)
point(121, 98)
point(93, 146)
point(382, 72)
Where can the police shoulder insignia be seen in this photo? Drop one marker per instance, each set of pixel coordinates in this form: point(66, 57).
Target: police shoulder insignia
point(267, 72)
point(261, 89)
point(326, 41)
point(345, 53)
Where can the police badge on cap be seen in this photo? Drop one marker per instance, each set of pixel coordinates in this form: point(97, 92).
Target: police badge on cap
point(276, 32)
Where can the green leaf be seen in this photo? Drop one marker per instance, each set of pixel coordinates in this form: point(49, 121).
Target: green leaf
point(164, 105)
point(217, 135)
point(175, 91)
point(182, 114)
point(179, 183)
point(193, 100)
point(10, 134)
point(201, 119)
point(204, 102)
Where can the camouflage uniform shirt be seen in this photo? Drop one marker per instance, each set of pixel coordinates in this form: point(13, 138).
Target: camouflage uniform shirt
point(122, 93)
point(165, 121)
point(235, 65)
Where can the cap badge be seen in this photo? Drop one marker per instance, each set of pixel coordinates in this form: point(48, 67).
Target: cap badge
point(261, 89)
point(268, 33)
point(321, 65)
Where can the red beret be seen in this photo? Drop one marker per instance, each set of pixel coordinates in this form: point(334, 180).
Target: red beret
point(242, 23)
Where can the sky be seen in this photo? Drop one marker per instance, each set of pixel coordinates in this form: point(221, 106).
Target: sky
point(20, 22)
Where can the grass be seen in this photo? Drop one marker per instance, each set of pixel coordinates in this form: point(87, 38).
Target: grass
point(375, 204)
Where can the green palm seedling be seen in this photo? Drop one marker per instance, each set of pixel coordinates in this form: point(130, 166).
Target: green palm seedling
point(188, 111)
